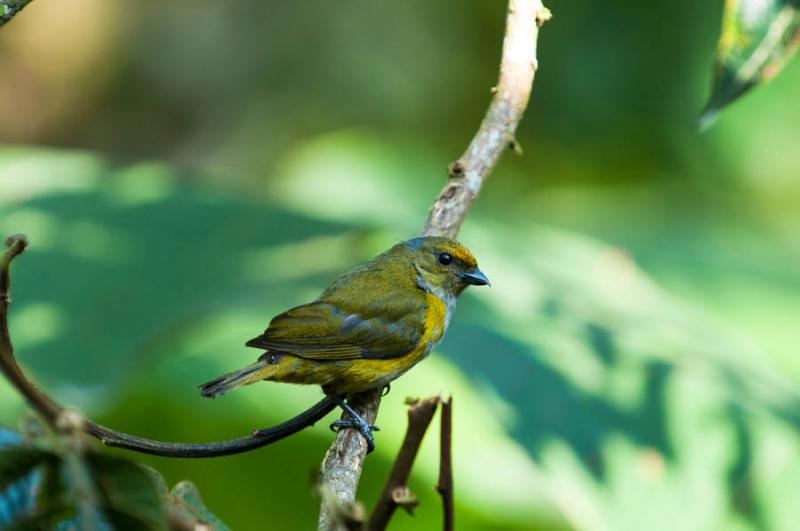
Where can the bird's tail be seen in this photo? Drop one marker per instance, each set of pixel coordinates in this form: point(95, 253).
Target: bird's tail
point(228, 382)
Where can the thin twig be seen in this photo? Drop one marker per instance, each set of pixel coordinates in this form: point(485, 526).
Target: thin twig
point(257, 439)
point(518, 66)
point(9, 8)
point(41, 402)
point(53, 412)
point(445, 485)
point(496, 133)
point(420, 414)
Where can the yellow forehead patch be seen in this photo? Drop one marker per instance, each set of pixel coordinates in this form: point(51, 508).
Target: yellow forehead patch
point(438, 244)
point(459, 252)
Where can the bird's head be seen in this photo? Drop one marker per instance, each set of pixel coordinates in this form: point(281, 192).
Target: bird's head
point(444, 265)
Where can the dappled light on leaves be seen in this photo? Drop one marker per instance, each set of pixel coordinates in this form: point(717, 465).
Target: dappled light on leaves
point(582, 377)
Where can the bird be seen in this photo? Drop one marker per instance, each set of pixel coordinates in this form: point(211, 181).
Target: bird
point(371, 325)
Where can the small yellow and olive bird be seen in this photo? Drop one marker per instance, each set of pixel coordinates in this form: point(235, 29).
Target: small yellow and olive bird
point(371, 325)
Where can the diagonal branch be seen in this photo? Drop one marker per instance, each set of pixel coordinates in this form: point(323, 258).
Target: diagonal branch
point(445, 485)
point(496, 133)
point(341, 468)
point(56, 415)
point(420, 414)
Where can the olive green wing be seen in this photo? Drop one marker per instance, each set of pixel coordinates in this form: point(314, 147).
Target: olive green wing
point(374, 312)
point(322, 331)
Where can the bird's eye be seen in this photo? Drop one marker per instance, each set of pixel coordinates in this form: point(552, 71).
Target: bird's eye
point(445, 259)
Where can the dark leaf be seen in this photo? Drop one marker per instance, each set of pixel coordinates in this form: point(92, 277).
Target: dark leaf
point(18, 480)
point(758, 37)
point(18, 462)
point(16, 486)
point(51, 496)
point(21, 487)
point(129, 493)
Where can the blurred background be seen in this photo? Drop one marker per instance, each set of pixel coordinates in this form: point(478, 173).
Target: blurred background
point(187, 170)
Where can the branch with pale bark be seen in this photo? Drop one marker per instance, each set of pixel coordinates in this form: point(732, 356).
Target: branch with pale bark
point(341, 468)
point(396, 494)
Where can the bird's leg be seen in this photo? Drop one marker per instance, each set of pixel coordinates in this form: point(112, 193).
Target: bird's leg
point(355, 421)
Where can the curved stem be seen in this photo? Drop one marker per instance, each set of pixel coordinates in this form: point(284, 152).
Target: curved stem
point(257, 439)
point(41, 402)
point(56, 415)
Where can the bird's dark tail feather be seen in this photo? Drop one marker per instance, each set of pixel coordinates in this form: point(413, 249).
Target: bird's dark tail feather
point(228, 382)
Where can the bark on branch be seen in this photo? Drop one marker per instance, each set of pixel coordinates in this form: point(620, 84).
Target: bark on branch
point(341, 468)
point(496, 133)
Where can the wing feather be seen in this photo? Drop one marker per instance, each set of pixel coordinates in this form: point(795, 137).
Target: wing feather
point(387, 324)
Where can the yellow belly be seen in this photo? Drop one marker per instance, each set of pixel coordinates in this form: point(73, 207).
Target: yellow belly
point(350, 376)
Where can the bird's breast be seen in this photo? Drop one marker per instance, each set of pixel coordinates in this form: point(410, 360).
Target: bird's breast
point(436, 319)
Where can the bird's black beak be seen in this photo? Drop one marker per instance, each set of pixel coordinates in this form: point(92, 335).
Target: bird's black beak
point(475, 277)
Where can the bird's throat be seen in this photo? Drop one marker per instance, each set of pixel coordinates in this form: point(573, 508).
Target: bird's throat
point(448, 299)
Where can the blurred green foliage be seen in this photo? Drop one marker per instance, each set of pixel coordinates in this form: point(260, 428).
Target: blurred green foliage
point(634, 365)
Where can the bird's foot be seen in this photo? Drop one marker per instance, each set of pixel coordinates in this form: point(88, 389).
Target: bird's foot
point(355, 421)
point(363, 427)
point(386, 389)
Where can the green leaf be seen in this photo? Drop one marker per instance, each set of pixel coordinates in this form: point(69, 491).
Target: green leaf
point(189, 507)
point(185, 503)
point(758, 37)
point(51, 496)
point(103, 490)
point(17, 462)
point(129, 493)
